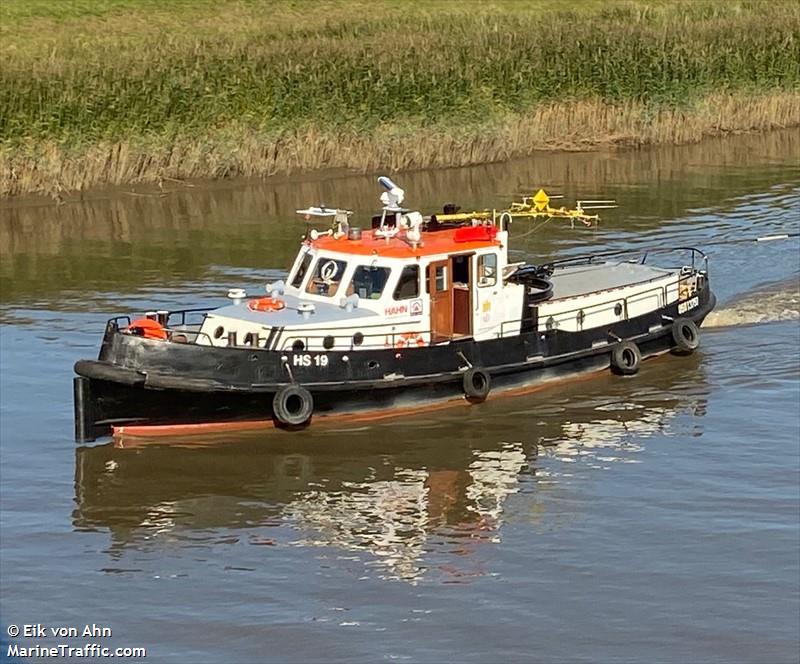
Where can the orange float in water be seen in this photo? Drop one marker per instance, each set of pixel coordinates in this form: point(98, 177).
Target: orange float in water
point(147, 328)
point(266, 304)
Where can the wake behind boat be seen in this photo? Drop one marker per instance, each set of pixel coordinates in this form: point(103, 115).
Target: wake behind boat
point(414, 310)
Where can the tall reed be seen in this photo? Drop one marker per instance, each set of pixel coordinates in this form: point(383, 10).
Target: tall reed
point(199, 89)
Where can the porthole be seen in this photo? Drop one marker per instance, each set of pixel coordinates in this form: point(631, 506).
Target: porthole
point(298, 346)
point(358, 339)
point(328, 342)
point(372, 364)
point(617, 309)
point(219, 332)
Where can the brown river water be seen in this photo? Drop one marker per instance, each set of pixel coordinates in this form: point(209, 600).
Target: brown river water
point(654, 518)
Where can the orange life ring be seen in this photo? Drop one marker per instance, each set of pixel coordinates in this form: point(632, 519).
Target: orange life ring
point(409, 338)
point(266, 304)
point(147, 328)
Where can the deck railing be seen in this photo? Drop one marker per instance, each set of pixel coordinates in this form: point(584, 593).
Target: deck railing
point(695, 254)
point(608, 305)
point(185, 320)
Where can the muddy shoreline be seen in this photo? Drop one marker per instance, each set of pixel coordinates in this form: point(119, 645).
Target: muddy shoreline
point(733, 149)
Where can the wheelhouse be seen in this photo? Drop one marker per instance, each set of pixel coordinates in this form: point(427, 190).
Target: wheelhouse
point(379, 287)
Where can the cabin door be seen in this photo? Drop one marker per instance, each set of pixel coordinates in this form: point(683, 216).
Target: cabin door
point(489, 306)
point(461, 278)
point(439, 287)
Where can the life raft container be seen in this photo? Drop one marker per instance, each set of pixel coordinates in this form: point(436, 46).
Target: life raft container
point(147, 328)
point(266, 304)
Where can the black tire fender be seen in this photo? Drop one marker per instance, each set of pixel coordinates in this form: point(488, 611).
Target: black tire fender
point(626, 358)
point(293, 406)
point(685, 334)
point(476, 384)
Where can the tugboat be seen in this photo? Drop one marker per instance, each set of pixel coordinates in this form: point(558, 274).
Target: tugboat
point(413, 311)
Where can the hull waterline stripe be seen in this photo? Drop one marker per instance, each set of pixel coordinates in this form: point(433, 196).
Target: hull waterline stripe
point(140, 433)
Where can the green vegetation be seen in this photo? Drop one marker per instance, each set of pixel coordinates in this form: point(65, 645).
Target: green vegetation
point(82, 79)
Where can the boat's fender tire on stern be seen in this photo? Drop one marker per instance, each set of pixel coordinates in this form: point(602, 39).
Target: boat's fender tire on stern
point(626, 358)
point(292, 406)
point(476, 383)
point(685, 335)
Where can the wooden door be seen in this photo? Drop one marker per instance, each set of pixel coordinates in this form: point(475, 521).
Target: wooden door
point(439, 287)
point(461, 278)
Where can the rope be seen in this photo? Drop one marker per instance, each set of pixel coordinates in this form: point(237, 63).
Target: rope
point(745, 240)
point(534, 229)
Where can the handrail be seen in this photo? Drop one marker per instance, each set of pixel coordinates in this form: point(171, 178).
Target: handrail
point(383, 339)
point(596, 308)
point(306, 334)
point(197, 334)
point(589, 258)
point(301, 334)
point(183, 312)
point(114, 321)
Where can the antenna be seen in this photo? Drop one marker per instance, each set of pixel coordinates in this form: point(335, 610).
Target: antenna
point(339, 223)
point(393, 196)
point(538, 206)
point(597, 205)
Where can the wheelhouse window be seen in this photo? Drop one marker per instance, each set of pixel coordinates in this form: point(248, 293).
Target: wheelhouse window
point(460, 269)
point(487, 270)
point(369, 281)
point(326, 277)
point(301, 271)
point(408, 284)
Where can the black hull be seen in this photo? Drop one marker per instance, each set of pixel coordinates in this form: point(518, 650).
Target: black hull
point(137, 381)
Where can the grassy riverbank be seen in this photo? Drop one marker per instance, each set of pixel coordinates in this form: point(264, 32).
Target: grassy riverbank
point(118, 91)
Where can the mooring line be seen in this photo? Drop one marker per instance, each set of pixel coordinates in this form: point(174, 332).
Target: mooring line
point(763, 238)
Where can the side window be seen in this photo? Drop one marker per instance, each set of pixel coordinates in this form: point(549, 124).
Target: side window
point(487, 270)
point(297, 279)
point(368, 282)
point(436, 279)
point(440, 278)
point(326, 277)
point(408, 285)
point(460, 269)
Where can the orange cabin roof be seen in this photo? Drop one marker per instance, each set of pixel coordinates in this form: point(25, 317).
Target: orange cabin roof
point(449, 241)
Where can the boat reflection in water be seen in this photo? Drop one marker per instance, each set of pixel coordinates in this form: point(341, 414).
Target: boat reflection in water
point(419, 497)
